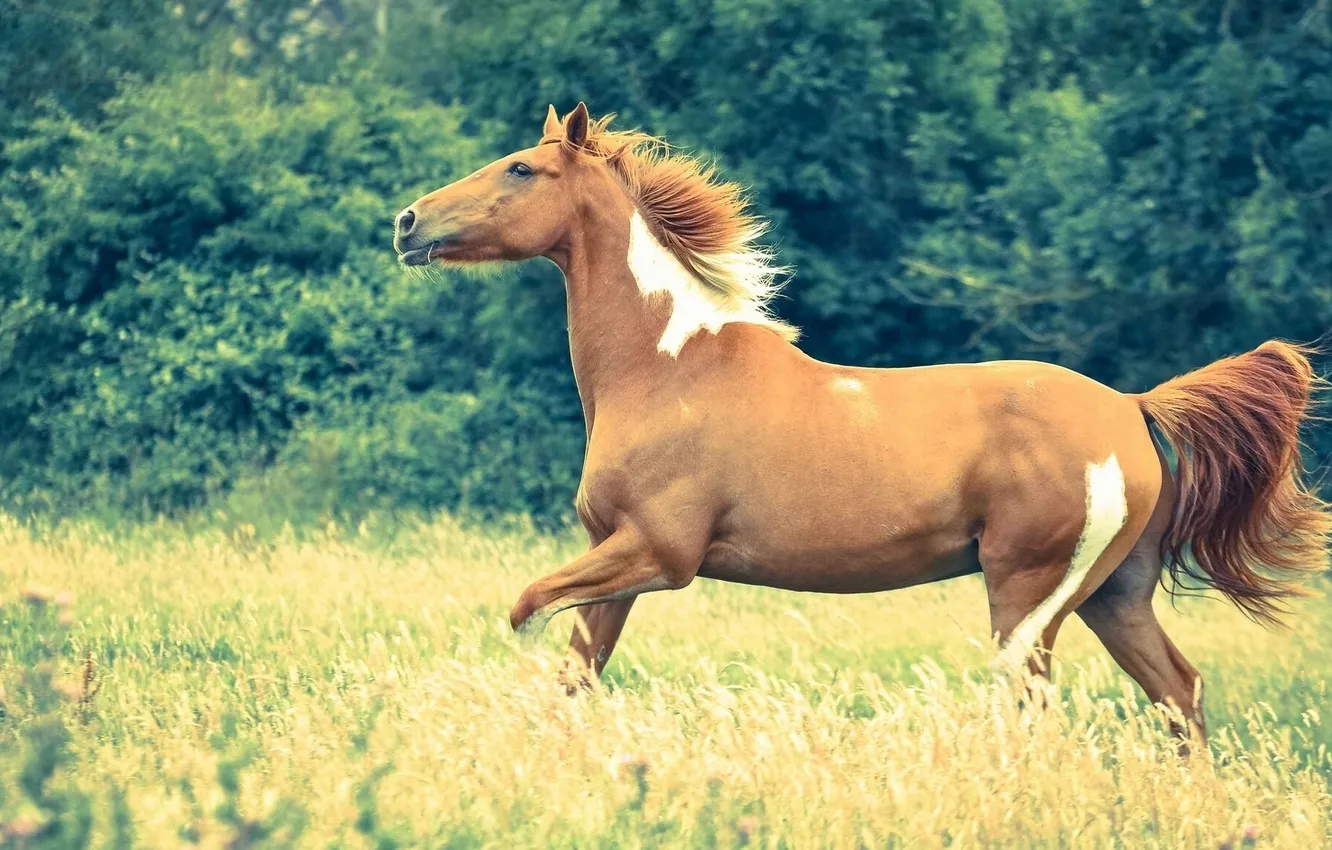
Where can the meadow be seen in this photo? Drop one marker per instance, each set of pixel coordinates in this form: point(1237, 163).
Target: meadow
point(215, 686)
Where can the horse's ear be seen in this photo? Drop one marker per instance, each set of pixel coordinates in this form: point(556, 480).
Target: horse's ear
point(553, 125)
point(575, 125)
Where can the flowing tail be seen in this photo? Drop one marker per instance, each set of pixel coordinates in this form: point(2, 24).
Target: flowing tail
point(1244, 511)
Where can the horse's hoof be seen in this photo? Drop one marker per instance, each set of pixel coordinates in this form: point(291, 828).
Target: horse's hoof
point(529, 631)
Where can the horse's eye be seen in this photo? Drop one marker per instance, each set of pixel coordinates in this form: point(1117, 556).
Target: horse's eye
point(519, 169)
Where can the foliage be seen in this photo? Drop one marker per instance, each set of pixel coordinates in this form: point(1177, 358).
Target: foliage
point(198, 304)
point(41, 808)
point(223, 286)
point(42, 805)
point(1184, 201)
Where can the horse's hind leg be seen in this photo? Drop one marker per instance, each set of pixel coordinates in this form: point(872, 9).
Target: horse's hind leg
point(1032, 590)
point(1120, 613)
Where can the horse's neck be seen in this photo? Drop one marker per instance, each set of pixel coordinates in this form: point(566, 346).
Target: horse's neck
point(613, 328)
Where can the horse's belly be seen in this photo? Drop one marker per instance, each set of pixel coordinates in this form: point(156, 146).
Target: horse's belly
point(832, 568)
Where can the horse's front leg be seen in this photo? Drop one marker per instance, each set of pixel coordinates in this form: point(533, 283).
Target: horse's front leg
point(618, 569)
point(593, 640)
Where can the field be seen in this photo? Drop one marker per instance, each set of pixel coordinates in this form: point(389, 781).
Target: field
point(360, 688)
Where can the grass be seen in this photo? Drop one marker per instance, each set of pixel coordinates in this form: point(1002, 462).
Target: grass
point(361, 689)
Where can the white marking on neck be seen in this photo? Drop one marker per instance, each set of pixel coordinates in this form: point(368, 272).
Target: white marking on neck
point(693, 306)
point(1107, 511)
point(848, 385)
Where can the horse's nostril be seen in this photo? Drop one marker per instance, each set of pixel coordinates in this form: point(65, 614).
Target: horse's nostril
point(405, 222)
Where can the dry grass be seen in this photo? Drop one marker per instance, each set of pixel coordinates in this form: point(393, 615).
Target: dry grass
point(731, 715)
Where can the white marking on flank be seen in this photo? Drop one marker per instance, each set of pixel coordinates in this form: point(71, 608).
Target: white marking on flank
point(694, 307)
point(848, 385)
point(1107, 510)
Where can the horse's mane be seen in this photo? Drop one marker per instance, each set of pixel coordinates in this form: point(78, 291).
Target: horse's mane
point(700, 218)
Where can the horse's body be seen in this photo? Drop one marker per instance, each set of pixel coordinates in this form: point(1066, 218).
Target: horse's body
point(718, 449)
point(907, 467)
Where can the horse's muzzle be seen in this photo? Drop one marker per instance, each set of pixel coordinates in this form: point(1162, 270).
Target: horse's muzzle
point(417, 256)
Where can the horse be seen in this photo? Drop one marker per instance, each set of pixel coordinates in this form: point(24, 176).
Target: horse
point(716, 448)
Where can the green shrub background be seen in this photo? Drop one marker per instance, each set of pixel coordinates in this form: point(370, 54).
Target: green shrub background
point(200, 308)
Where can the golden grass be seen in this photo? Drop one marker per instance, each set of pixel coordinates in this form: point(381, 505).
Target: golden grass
point(732, 716)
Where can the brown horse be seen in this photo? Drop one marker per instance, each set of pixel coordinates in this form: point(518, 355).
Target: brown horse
point(716, 448)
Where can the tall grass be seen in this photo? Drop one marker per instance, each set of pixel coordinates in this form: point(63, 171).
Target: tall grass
point(355, 689)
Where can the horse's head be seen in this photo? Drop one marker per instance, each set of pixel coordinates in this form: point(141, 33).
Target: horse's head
point(669, 217)
point(515, 208)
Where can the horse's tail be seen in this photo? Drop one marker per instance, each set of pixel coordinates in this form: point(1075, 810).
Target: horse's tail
point(1244, 510)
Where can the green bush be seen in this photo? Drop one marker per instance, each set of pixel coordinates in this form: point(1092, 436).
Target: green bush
point(198, 304)
point(202, 285)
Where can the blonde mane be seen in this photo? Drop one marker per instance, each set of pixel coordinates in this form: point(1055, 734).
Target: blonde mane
point(701, 219)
